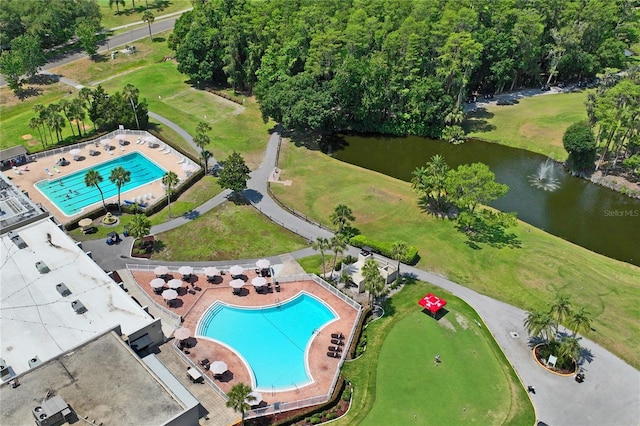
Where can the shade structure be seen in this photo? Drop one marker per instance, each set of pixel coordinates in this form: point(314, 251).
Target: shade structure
point(186, 270)
point(236, 283)
point(236, 270)
point(218, 367)
point(85, 222)
point(432, 303)
point(174, 283)
point(263, 264)
point(157, 283)
point(161, 270)
point(211, 271)
point(169, 294)
point(182, 333)
point(75, 151)
point(257, 400)
point(259, 281)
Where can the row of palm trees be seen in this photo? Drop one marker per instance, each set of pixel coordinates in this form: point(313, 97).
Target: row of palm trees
point(51, 119)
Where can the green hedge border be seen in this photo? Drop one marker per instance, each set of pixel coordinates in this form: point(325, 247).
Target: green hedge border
point(385, 248)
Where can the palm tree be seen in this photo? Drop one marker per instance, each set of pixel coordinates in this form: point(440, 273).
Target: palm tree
point(568, 349)
point(118, 3)
point(148, 17)
point(131, 92)
point(93, 178)
point(321, 244)
point(78, 113)
point(170, 181)
point(140, 226)
point(419, 176)
point(202, 139)
point(120, 176)
point(373, 280)
point(341, 217)
point(65, 107)
point(338, 245)
point(34, 123)
point(560, 309)
point(539, 323)
point(238, 397)
point(398, 251)
point(579, 321)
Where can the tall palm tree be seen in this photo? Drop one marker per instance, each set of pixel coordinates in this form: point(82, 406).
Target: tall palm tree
point(560, 309)
point(34, 123)
point(579, 321)
point(65, 107)
point(131, 92)
point(119, 176)
point(321, 244)
point(118, 3)
point(148, 17)
point(78, 113)
point(398, 251)
point(202, 139)
point(568, 349)
point(419, 176)
point(539, 323)
point(338, 245)
point(170, 181)
point(373, 280)
point(93, 178)
point(238, 397)
point(341, 217)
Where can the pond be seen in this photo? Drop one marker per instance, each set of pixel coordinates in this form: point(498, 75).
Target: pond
point(579, 211)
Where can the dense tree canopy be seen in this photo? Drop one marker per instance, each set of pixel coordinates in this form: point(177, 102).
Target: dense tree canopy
point(394, 66)
point(579, 142)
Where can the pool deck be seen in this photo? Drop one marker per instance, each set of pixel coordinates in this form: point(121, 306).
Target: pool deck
point(192, 307)
point(36, 173)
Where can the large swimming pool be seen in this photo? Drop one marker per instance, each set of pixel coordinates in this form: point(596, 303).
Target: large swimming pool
point(70, 194)
point(273, 341)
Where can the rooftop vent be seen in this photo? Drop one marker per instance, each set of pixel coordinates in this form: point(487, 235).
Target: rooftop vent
point(63, 289)
point(35, 361)
point(42, 267)
point(52, 411)
point(17, 240)
point(4, 369)
point(78, 307)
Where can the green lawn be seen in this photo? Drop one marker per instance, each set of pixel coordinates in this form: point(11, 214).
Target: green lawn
point(536, 124)
point(397, 382)
point(228, 232)
point(526, 277)
point(128, 14)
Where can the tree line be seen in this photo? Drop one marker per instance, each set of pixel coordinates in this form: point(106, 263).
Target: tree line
point(395, 67)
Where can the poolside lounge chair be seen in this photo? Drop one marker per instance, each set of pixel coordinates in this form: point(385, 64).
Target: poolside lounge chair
point(333, 355)
point(335, 348)
point(48, 172)
point(182, 160)
point(167, 151)
point(337, 336)
point(277, 286)
point(24, 169)
point(16, 170)
point(337, 342)
point(56, 169)
point(121, 148)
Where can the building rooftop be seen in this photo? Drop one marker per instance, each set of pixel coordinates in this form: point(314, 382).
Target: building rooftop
point(43, 273)
point(16, 209)
point(102, 381)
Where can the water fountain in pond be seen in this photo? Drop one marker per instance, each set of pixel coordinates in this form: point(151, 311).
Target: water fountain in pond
point(544, 179)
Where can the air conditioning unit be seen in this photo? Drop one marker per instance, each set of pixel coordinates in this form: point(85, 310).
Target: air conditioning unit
point(78, 307)
point(35, 361)
point(17, 240)
point(42, 267)
point(51, 412)
point(63, 289)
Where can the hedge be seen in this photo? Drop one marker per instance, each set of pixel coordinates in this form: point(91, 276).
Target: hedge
point(385, 249)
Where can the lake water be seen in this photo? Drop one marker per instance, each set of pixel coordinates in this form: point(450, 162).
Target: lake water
point(584, 213)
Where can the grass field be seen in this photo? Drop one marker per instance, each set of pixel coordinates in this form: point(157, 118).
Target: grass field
point(128, 14)
point(536, 124)
point(397, 382)
point(526, 277)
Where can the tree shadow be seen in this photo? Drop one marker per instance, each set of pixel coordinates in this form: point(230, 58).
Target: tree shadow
point(191, 214)
point(43, 79)
point(476, 121)
point(252, 195)
point(158, 246)
point(29, 92)
point(494, 234)
point(99, 57)
point(158, 39)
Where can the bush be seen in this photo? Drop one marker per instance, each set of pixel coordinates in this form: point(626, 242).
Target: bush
point(346, 395)
point(338, 265)
point(315, 419)
point(385, 248)
point(349, 260)
point(330, 416)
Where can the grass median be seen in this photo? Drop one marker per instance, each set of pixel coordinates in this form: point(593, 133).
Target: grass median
point(527, 277)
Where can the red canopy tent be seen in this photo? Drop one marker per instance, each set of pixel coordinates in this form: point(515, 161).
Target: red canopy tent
point(432, 303)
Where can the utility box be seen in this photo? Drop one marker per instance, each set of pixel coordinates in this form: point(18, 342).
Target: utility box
point(78, 307)
point(51, 412)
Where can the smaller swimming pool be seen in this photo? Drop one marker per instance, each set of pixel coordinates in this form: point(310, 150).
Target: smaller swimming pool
point(273, 341)
point(70, 194)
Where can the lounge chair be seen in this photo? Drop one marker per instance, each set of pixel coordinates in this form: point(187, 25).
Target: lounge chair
point(337, 336)
point(167, 151)
point(56, 169)
point(278, 287)
point(333, 355)
point(121, 148)
point(335, 348)
point(182, 160)
point(48, 172)
point(16, 170)
point(25, 168)
point(337, 342)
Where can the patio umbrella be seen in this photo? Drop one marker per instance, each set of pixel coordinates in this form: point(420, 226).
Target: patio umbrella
point(85, 222)
point(236, 283)
point(263, 264)
point(259, 281)
point(169, 294)
point(218, 367)
point(105, 142)
point(174, 283)
point(182, 333)
point(211, 271)
point(75, 151)
point(257, 400)
point(161, 270)
point(157, 283)
point(236, 270)
point(188, 167)
point(185, 270)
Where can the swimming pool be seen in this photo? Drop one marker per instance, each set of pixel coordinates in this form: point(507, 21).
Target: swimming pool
point(273, 341)
point(70, 194)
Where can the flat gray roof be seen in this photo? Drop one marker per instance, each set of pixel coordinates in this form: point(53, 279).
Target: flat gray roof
point(16, 209)
point(13, 152)
point(102, 380)
point(35, 319)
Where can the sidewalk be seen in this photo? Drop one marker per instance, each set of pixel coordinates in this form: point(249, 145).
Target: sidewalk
point(157, 18)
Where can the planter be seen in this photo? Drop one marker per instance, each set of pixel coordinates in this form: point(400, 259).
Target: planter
point(143, 248)
point(557, 371)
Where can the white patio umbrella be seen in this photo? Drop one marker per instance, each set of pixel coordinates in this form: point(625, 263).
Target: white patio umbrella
point(106, 143)
point(236, 283)
point(182, 333)
point(157, 283)
point(257, 400)
point(175, 283)
point(218, 367)
point(75, 151)
point(259, 281)
point(161, 270)
point(236, 270)
point(263, 264)
point(185, 270)
point(169, 294)
point(211, 271)
point(85, 222)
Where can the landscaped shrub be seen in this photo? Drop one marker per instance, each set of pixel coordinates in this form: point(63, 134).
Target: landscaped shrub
point(349, 260)
point(330, 416)
point(346, 395)
point(315, 419)
point(385, 248)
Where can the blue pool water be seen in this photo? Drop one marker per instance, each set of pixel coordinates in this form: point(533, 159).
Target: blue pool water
point(70, 194)
point(273, 341)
